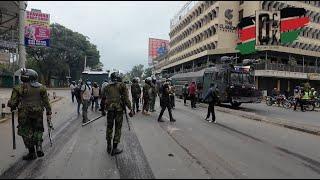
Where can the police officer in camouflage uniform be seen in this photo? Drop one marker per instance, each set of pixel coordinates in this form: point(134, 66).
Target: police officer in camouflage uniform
point(146, 97)
point(116, 99)
point(31, 98)
point(136, 94)
point(153, 95)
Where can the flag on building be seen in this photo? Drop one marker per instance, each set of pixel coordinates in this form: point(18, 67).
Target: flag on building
point(291, 22)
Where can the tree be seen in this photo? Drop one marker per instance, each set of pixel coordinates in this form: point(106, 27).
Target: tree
point(147, 73)
point(67, 51)
point(137, 71)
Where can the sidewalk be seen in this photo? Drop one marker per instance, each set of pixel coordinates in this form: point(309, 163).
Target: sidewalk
point(307, 128)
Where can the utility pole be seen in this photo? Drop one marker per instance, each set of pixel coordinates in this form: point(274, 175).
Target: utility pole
point(22, 49)
point(85, 62)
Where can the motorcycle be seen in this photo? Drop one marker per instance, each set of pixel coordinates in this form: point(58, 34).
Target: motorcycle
point(317, 102)
point(280, 100)
point(309, 105)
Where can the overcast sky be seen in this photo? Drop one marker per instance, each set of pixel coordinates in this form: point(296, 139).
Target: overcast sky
point(119, 29)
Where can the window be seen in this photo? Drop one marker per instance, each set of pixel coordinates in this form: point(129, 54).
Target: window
point(240, 14)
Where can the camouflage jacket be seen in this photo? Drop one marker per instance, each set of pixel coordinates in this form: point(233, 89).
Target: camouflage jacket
point(116, 94)
point(135, 90)
point(146, 88)
point(30, 99)
point(152, 91)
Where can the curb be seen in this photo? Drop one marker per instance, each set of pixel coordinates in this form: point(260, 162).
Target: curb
point(8, 118)
point(275, 121)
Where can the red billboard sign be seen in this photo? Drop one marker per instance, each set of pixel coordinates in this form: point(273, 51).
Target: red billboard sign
point(157, 47)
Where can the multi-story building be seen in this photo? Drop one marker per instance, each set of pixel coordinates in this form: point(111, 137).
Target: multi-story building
point(203, 31)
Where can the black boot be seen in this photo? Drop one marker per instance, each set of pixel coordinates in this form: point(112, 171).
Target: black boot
point(39, 150)
point(109, 147)
point(160, 120)
point(31, 155)
point(115, 149)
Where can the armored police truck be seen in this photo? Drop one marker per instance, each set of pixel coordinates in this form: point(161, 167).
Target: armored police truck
point(235, 83)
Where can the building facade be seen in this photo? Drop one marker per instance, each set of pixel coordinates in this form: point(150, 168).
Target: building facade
point(203, 31)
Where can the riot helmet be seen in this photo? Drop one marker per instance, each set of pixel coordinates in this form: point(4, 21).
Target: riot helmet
point(114, 77)
point(28, 75)
point(135, 80)
point(148, 80)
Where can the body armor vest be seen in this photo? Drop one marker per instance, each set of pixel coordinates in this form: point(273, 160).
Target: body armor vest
point(31, 97)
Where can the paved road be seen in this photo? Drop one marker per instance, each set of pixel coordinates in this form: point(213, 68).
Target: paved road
point(309, 117)
point(234, 147)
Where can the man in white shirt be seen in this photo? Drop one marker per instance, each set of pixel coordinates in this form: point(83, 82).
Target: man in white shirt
point(85, 97)
point(96, 94)
point(72, 87)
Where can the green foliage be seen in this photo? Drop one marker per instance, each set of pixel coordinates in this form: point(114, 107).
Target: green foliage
point(140, 72)
point(137, 71)
point(67, 51)
point(147, 73)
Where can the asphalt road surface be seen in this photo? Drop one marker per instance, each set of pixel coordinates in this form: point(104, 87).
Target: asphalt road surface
point(234, 147)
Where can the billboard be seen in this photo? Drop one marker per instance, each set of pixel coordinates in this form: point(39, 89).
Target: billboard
point(157, 47)
point(37, 29)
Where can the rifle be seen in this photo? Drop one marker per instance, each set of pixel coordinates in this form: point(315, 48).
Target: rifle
point(13, 131)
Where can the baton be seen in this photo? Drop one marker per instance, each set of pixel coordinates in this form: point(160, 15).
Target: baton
point(13, 131)
point(84, 124)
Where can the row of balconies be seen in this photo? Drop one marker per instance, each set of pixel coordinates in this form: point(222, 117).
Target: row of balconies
point(203, 6)
point(304, 46)
point(195, 40)
point(207, 45)
point(286, 67)
point(274, 5)
point(194, 27)
point(313, 3)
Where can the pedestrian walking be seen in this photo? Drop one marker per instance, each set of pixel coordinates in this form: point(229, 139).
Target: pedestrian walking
point(31, 98)
point(165, 102)
point(77, 93)
point(135, 94)
point(85, 99)
point(192, 93)
point(146, 96)
point(117, 99)
point(152, 95)
point(72, 87)
point(172, 94)
point(211, 97)
point(185, 93)
point(103, 100)
point(95, 94)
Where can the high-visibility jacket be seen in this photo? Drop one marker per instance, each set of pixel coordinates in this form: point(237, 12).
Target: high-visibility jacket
point(306, 95)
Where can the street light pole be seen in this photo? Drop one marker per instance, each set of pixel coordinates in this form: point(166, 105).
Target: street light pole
point(22, 49)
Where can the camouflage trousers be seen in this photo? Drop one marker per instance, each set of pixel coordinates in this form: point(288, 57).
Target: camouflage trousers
point(152, 103)
point(114, 118)
point(135, 104)
point(30, 128)
point(146, 103)
point(85, 106)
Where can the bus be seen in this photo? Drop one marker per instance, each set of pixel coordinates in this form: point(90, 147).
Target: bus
point(95, 76)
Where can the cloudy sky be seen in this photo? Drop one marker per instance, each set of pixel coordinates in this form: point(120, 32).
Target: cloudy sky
point(119, 29)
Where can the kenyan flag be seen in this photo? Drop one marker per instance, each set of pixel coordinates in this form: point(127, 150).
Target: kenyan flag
point(247, 35)
point(290, 27)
